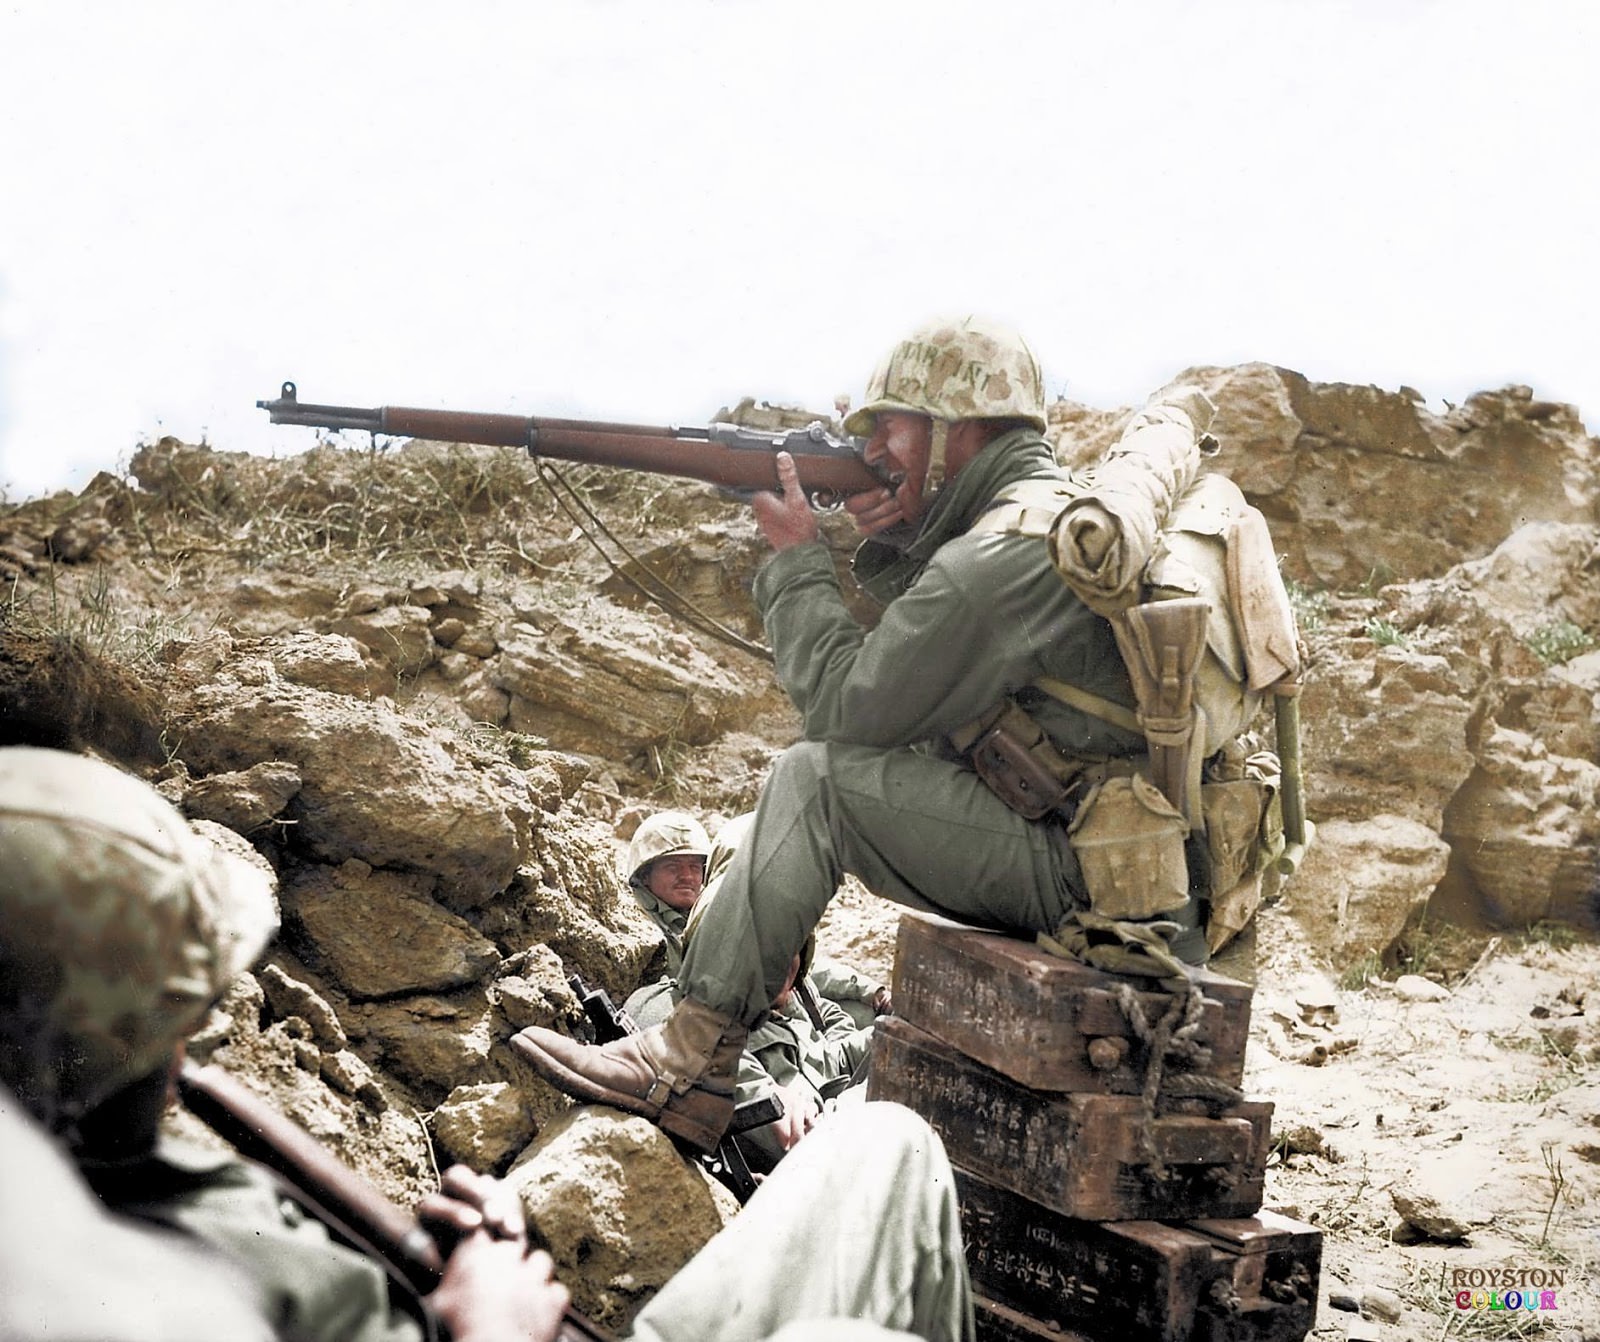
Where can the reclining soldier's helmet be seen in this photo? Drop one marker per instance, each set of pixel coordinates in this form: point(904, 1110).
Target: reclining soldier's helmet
point(950, 369)
point(119, 927)
point(665, 834)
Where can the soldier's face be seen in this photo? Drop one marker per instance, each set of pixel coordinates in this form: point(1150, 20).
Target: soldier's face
point(677, 880)
point(899, 447)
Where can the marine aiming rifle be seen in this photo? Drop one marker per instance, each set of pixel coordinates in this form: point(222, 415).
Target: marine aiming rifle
point(332, 1192)
point(741, 460)
point(727, 1164)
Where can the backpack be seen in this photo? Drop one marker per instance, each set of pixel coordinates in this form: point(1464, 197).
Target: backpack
point(1145, 528)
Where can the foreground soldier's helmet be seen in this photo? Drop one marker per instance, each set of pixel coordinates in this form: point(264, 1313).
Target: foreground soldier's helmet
point(119, 927)
point(665, 834)
point(960, 368)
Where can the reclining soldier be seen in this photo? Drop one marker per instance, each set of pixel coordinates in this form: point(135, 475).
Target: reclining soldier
point(120, 926)
point(671, 860)
point(975, 619)
point(807, 1050)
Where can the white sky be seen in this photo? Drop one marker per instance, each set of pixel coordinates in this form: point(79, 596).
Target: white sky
point(644, 209)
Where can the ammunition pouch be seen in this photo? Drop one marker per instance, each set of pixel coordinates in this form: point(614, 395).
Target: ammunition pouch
point(1244, 835)
point(1021, 765)
point(1129, 842)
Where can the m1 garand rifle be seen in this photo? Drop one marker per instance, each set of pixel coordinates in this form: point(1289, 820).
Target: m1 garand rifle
point(330, 1190)
point(739, 459)
point(727, 1164)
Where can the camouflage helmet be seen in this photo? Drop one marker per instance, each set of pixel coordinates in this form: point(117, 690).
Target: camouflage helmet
point(119, 927)
point(956, 368)
point(665, 834)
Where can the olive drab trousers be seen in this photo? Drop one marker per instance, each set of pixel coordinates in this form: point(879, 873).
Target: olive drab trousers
point(921, 831)
point(855, 1236)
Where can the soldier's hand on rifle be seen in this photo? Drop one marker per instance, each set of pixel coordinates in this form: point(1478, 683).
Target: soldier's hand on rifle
point(493, 1287)
point(785, 519)
point(801, 1110)
point(467, 1202)
point(493, 1290)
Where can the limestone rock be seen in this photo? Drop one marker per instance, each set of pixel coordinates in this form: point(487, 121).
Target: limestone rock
point(1527, 827)
point(376, 786)
point(348, 1075)
point(1325, 461)
point(434, 1044)
point(1363, 881)
point(1382, 1304)
point(378, 935)
point(243, 800)
point(397, 637)
point(593, 1185)
point(1387, 734)
point(1415, 988)
point(291, 997)
point(482, 1126)
point(329, 662)
point(268, 603)
point(592, 691)
point(1432, 1214)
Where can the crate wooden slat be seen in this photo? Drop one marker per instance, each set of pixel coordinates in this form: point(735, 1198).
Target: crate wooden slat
point(1076, 1154)
point(1141, 1280)
point(1240, 1280)
point(1272, 1294)
point(998, 1323)
point(1036, 1017)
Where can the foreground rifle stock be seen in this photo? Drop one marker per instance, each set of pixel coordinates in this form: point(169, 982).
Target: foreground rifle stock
point(737, 458)
point(333, 1192)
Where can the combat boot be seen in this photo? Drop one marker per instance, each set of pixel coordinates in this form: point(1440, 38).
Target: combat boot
point(680, 1074)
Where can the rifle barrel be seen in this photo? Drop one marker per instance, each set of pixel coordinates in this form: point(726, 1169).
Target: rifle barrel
point(725, 455)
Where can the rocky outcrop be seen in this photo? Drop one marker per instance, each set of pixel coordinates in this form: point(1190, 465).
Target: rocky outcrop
point(1363, 486)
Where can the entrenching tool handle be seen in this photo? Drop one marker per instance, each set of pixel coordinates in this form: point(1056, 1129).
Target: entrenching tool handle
point(1297, 830)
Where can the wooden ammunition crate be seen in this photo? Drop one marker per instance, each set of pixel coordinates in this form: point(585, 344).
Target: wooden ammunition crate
point(1139, 1281)
point(1046, 1022)
point(1080, 1155)
point(999, 1323)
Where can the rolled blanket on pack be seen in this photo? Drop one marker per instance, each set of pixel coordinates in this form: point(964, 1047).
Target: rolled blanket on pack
point(1103, 539)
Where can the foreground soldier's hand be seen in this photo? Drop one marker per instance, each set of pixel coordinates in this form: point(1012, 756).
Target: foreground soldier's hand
point(493, 1287)
point(786, 519)
point(801, 1110)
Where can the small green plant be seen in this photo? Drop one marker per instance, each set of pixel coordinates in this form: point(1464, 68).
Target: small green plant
point(1310, 607)
point(1559, 641)
point(1557, 936)
point(1385, 635)
point(1362, 972)
point(1380, 577)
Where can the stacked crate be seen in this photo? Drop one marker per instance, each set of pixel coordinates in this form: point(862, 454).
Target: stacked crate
point(1087, 1211)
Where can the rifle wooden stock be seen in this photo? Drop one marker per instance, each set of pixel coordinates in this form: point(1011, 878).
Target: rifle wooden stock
point(729, 455)
point(334, 1193)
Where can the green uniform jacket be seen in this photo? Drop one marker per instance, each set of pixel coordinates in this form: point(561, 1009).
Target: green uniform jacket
point(783, 1048)
point(308, 1287)
point(970, 619)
